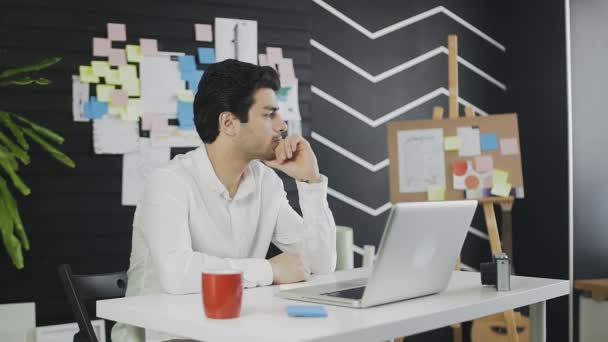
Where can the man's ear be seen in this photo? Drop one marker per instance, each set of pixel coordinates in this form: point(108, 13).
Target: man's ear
point(228, 123)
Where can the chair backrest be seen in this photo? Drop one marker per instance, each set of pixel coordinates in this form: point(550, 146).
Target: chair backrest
point(81, 288)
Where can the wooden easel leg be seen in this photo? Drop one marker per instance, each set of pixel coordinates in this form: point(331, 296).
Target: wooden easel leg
point(399, 339)
point(457, 332)
point(490, 216)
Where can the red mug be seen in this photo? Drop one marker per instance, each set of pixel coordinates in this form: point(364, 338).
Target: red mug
point(222, 293)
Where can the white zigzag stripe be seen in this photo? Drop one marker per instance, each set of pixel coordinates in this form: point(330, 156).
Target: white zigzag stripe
point(357, 204)
point(393, 114)
point(407, 22)
point(404, 66)
point(349, 155)
point(466, 267)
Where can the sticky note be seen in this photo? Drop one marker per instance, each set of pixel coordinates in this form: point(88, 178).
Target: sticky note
point(193, 78)
point(502, 189)
point(436, 193)
point(113, 77)
point(499, 176)
point(206, 55)
point(185, 95)
point(117, 57)
point(306, 311)
point(274, 55)
point(186, 63)
point(185, 115)
point(509, 146)
point(149, 47)
point(119, 98)
point(285, 68)
point(489, 141)
point(119, 111)
point(203, 33)
point(483, 164)
point(134, 110)
point(101, 47)
point(100, 68)
point(133, 53)
point(94, 109)
point(131, 86)
point(127, 72)
point(103, 92)
point(452, 143)
point(87, 75)
point(117, 32)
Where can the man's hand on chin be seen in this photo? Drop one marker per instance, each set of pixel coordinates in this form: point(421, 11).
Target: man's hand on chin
point(295, 157)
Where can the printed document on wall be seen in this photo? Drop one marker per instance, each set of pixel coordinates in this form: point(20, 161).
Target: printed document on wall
point(160, 82)
point(236, 39)
point(421, 159)
point(137, 166)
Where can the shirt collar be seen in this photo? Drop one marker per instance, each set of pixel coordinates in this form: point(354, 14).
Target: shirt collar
point(210, 178)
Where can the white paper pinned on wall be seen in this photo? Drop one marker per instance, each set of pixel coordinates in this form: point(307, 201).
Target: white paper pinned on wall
point(421, 159)
point(137, 166)
point(236, 39)
point(287, 96)
point(80, 96)
point(294, 127)
point(160, 79)
point(470, 141)
point(112, 135)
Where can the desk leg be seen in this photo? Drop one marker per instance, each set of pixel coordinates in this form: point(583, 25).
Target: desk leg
point(538, 322)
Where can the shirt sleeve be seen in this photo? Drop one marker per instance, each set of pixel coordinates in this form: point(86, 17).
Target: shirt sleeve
point(312, 235)
point(162, 216)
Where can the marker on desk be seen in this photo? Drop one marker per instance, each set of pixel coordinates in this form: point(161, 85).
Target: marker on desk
point(306, 311)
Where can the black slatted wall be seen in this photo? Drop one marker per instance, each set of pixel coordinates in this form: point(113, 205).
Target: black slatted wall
point(75, 215)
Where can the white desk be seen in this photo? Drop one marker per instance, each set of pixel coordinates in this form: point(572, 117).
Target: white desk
point(264, 318)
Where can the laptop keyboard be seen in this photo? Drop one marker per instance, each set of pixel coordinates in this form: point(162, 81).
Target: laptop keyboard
point(353, 293)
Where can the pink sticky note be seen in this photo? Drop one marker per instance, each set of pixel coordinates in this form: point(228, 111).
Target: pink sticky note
point(484, 164)
point(117, 57)
point(203, 33)
point(160, 126)
point(274, 55)
point(101, 47)
point(286, 70)
point(149, 47)
point(509, 146)
point(119, 98)
point(147, 119)
point(117, 32)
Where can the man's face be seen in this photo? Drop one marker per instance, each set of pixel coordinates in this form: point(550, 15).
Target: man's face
point(261, 134)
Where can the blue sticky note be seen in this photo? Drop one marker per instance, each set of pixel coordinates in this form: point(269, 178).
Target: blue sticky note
point(206, 55)
point(192, 77)
point(489, 141)
point(186, 63)
point(94, 109)
point(306, 311)
point(185, 115)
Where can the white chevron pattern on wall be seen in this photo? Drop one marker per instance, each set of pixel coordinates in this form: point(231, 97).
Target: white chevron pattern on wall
point(348, 154)
point(404, 66)
point(407, 22)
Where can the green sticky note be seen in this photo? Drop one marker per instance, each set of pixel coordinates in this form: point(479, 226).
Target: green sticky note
point(452, 143)
point(501, 189)
point(131, 86)
point(499, 176)
point(100, 68)
point(127, 72)
point(87, 75)
point(185, 95)
point(134, 110)
point(134, 53)
point(103, 92)
point(113, 77)
point(436, 192)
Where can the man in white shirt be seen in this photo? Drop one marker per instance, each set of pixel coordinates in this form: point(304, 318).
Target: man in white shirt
point(221, 205)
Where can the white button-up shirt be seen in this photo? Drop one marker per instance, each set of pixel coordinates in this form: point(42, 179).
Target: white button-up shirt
point(186, 222)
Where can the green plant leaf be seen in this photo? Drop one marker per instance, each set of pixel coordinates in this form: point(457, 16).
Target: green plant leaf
point(15, 149)
point(17, 181)
point(15, 129)
point(43, 81)
point(45, 132)
point(8, 157)
point(43, 64)
point(11, 243)
point(60, 156)
point(11, 204)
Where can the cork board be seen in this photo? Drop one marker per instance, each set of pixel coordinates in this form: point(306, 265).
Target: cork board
point(415, 159)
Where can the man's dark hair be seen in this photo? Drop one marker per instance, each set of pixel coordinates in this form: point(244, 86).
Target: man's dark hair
point(228, 86)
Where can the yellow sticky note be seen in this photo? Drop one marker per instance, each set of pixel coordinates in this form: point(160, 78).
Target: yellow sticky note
point(100, 68)
point(103, 92)
point(113, 77)
point(436, 193)
point(499, 176)
point(131, 86)
point(134, 53)
point(120, 111)
point(452, 143)
point(185, 95)
point(501, 189)
point(127, 72)
point(87, 75)
point(134, 110)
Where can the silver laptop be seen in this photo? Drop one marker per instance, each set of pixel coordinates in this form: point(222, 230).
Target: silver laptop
point(419, 248)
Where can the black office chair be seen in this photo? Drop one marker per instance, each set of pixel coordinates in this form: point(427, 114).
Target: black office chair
point(82, 289)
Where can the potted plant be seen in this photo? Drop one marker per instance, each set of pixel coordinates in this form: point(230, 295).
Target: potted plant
point(16, 133)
